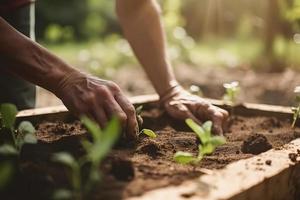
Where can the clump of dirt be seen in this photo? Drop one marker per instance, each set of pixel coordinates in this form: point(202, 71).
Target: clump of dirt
point(122, 169)
point(268, 162)
point(151, 148)
point(293, 157)
point(256, 144)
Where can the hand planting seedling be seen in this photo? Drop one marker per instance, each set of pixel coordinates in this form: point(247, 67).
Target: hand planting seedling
point(84, 172)
point(296, 110)
point(208, 143)
point(232, 90)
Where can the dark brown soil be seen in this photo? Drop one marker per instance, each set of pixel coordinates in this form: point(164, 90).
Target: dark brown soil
point(131, 171)
point(256, 144)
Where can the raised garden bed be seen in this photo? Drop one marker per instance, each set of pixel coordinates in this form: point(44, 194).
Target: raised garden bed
point(236, 170)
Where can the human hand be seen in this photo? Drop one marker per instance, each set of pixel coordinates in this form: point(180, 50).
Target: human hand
point(180, 104)
point(98, 99)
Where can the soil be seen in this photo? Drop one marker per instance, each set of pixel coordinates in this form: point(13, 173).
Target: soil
point(256, 144)
point(133, 170)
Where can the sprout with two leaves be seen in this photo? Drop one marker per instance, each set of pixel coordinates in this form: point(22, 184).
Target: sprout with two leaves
point(208, 143)
point(231, 94)
point(296, 110)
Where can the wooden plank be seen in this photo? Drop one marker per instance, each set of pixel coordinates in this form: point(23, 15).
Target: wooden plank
point(143, 99)
point(245, 179)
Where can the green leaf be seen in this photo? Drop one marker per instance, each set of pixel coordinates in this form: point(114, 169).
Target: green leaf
point(198, 130)
point(8, 115)
point(103, 145)
point(87, 145)
point(149, 133)
point(62, 194)
point(206, 149)
point(26, 127)
point(30, 139)
point(207, 128)
point(6, 173)
point(184, 157)
point(217, 140)
point(65, 159)
point(8, 150)
point(92, 127)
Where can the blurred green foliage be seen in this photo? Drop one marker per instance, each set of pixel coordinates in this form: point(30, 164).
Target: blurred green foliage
point(214, 33)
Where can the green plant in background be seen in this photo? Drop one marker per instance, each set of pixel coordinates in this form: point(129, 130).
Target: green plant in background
point(208, 143)
point(296, 110)
point(12, 140)
point(84, 171)
point(232, 91)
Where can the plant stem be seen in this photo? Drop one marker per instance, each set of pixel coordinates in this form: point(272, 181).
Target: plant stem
point(296, 115)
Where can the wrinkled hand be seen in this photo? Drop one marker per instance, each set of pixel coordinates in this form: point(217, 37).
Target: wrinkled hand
point(99, 99)
point(180, 104)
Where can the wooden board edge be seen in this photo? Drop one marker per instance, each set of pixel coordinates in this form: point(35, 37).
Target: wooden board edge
point(154, 98)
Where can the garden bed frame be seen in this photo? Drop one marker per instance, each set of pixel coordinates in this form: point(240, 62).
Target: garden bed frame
point(247, 179)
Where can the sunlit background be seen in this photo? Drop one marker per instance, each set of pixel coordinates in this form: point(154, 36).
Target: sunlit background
point(222, 40)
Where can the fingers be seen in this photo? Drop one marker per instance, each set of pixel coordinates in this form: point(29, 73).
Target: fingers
point(217, 115)
point(112, 108)
point(200, 110)
point(118, 105)
point(92, 108)
point(132, 125)
point(180, 111)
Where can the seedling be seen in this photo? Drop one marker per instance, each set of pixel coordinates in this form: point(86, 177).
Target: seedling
point(149, 133)
point(12, 140)
point(231, 92)
point(24, 134)
point(96, 151)
point(208, 143)
point(296, 110)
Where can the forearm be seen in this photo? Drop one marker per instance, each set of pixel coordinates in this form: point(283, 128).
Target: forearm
point(21, 56)
point(143, 29)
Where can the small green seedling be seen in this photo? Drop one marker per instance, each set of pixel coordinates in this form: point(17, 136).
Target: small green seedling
point(296, 110)
point(12, 141)
point(24, 134)
point(208, 143)
point(149, 133)
point(231, 93)
point(96, 150)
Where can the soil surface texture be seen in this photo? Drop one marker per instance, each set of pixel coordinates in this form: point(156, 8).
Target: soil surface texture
point(131, 170)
